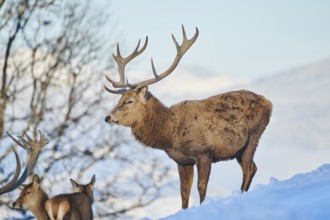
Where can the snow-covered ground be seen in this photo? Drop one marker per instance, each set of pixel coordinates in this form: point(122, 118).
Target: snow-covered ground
point(304, 196)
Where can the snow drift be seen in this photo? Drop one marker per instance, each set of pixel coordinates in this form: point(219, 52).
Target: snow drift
point(304, 196)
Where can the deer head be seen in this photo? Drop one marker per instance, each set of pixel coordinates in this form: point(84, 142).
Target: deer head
point(31, 194)
point(86, 189)
point(131, 106)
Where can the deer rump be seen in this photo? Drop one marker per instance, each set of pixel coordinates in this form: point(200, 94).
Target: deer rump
point(220, 126)
point(74, 206)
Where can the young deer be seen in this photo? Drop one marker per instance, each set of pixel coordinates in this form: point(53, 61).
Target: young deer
point(74, 206)
point(33, 198)
point(221, 127)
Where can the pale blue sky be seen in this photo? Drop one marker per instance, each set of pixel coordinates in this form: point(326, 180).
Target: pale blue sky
point(246, 39)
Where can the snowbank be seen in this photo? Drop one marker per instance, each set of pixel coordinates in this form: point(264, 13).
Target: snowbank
point(304, 196)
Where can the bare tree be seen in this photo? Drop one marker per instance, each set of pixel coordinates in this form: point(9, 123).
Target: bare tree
point(52, 57)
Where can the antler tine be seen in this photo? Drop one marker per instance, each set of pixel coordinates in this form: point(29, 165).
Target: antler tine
point(33, 148)
point(43, 138)
point(154, 69)
point(176, 43)
point(120, 91)
point(109, 79)
point(121, 62)
point(17, 141)
point(184, 33)
point(181, 50)
point(118, 52)
point(118, 58)
point(11, 185)
point(28, 141)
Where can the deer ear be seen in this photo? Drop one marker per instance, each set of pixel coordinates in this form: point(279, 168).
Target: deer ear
point(91, 183)
point(144, 92)
point(74, 184)
point(36, 181)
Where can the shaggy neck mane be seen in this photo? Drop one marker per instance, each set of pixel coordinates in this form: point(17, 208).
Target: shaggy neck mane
point(154, 130)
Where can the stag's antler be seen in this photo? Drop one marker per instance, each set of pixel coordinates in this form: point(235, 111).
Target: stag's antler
point(121, 62)
point(33, 148)
point(181, 50)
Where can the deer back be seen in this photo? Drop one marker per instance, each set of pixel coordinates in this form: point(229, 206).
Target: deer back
point(223, 119)
point(72, 206)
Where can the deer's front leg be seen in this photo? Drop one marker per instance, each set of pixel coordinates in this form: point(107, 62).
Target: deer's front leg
point(186, 174)
point(203, 170)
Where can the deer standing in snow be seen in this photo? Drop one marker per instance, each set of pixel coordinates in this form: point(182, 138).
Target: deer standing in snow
point(199, 132)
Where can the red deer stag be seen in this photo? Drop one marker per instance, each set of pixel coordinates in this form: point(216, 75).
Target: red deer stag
point(74, 206)
point(33, 198)
point(221, 127)
point(33, 148)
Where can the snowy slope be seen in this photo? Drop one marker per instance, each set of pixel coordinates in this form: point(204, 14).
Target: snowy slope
point(304, 196)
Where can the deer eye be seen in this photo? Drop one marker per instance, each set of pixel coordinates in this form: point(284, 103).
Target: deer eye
point(129, 102)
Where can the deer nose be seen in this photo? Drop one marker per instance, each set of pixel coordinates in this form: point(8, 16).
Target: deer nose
point(107, 119)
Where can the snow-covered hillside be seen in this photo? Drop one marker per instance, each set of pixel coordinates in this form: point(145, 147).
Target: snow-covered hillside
point(304, 196)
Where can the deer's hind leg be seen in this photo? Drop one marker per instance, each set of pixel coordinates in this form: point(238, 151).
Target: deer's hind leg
point(247, 164)
point(186, 174)
point(203, 170)
point(249, 170)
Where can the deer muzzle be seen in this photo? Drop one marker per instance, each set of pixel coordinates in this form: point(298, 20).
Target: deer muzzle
point(17, 205)
point(110, 120)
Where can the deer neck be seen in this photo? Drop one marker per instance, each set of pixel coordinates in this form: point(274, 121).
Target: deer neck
point(39, 210)
point(155, 129)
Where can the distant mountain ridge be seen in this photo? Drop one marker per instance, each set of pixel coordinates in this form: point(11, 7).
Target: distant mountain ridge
point(301, 102)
